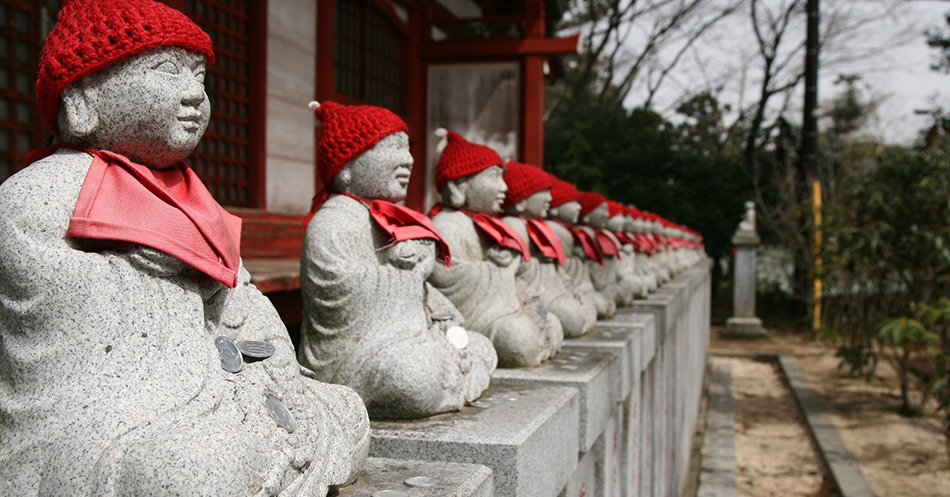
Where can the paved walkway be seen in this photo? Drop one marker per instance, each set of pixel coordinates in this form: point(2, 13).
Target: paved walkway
point(717, 475)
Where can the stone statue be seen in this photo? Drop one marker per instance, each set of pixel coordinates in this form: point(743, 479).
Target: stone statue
point(593, 218)
point(640, 249)
point(630, 279)
point(748, 218)
point(136, 357)
point(370, 320)
point(578, 247)
point(486, 256)
point(526, 205)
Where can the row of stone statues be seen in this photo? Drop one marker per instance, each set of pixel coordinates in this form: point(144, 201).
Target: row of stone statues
point(137, 359)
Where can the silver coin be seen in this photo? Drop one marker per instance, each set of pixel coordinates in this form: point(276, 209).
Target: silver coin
point(280, 414)
point(423, 481)
point(390, 493)
point(442, 316)
point(230, 355)
point(256, 349)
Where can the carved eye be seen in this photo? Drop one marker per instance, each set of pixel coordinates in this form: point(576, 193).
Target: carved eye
point(166, 66)
point(200, 75)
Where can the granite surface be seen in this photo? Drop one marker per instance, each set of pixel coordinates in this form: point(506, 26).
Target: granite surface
point(527, 436)
point(482, 282)
point(116, 380)
point(408, 478)
point(595, 375)
point(370, 320)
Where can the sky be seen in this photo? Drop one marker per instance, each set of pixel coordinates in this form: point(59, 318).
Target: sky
point(889, 53)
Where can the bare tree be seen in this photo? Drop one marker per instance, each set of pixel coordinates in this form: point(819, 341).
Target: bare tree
point(623, 40)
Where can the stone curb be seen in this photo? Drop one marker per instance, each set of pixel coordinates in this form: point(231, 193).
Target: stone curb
point(717, 475)
point(838, 460)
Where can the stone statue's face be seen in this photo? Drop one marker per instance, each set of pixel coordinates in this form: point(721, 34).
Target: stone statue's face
point(380, 173)
point(568, 212)
point(151, 107)
point(485, 191)
point(628, 223)
point(597, 217)
point(616, 223)
point(537, 204)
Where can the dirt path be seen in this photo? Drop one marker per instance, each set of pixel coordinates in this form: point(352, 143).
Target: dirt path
point(899, 456)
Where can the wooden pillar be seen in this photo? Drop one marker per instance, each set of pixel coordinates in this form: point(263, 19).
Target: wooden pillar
point(532, 101)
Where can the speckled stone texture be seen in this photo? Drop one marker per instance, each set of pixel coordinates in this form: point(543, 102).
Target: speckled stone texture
point(540, 277)
point(111, 378)
point(594, 374)
point(370, 320)
point(624, 342)
point(575, 272)
point(420, 479)
point(605, 278)
point(485, 291)
point(583, 483)
point(527, 436)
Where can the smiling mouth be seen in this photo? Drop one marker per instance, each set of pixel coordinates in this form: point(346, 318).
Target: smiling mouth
point(190, 123)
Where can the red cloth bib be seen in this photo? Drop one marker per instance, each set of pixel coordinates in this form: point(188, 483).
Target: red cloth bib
point(587, 243)
point(169, 210)
point(646, 243)
point(495, 229)
point(545, 239)
point(403, 223)
point(607, 243)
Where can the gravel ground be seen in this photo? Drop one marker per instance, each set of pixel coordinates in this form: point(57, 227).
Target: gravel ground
point(899, 456)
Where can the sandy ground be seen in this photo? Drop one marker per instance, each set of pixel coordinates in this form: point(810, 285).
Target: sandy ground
point(899, 456)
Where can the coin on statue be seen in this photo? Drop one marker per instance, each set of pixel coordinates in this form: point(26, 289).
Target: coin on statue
point(256, 349)
point(457, 336)
point(280, 414)
point(230, 355)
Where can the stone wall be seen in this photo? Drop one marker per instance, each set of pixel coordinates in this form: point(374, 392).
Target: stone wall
point(612, 415)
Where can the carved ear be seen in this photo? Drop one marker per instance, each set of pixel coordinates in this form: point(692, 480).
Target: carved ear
point(519, 207)
point(454, 192)
point(341, 182)
point(78, 116)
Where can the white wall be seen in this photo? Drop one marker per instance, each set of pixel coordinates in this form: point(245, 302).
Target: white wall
point(291, 85)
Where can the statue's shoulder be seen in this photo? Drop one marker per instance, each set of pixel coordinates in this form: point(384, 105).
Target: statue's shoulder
point(48, 185)
point(340, 212)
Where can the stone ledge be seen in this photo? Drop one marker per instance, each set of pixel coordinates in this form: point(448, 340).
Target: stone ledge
point(838, 459)
point(456, 479)
point(527, 436)
point(717, 475)
point(595, 375)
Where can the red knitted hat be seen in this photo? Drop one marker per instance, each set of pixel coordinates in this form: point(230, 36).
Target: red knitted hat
point(562, 192)
point(634, 212)
point(461, 158)
point(614, 208)
point(524, 180)
point(94, 34)
point(590, 201)
point(349, 130)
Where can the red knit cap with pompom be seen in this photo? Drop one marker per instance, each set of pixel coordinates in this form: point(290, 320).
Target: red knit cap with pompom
point(634, 212)
point(462, 158)
point(562, 192)
point(614, 208)
point(524, 180)
point(91, 35)
point(349, 130)
point(590, 201)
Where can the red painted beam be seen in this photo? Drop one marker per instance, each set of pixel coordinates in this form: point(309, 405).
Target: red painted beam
point(498, 47)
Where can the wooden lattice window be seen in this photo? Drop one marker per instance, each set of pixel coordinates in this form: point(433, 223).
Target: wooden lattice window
point(23, 26)
point(370, 61)
point(225, 158)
